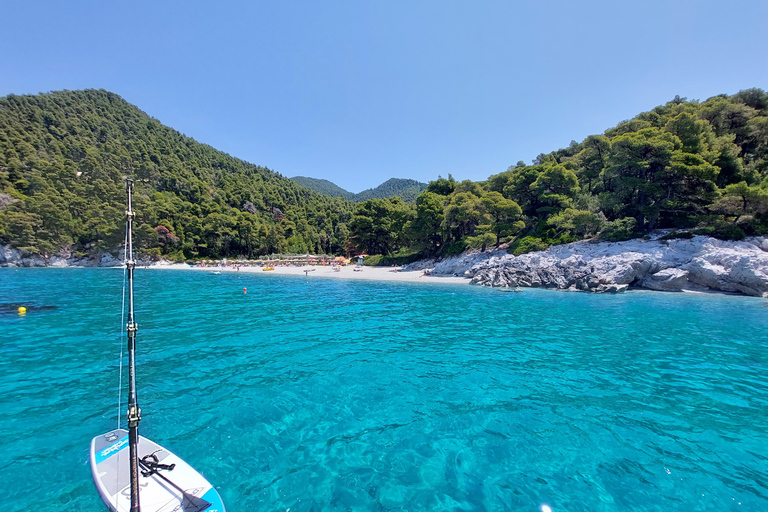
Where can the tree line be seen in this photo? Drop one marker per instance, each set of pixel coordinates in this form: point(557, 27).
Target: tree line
point(63, 160)
point(693, 167)
point(690, 166)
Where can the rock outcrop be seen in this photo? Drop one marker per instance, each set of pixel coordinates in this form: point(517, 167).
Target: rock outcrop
point(10, 257)
point(699, 264)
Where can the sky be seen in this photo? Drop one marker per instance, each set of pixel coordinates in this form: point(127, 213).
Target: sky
point(357, 92)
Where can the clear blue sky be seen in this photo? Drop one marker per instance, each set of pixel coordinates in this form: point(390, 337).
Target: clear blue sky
point(359, 91)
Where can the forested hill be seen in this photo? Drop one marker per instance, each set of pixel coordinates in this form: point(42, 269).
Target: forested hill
point(324, 187)
point(692, 166)
point(63, 159)
point(695, 167)
point(407, 190)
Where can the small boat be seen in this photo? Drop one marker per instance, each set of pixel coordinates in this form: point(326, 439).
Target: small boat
point(268, 268)
point(132, 473)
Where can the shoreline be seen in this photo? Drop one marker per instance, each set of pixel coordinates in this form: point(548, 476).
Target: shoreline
point(348, 272)
point(697, 264)
point(380, 274)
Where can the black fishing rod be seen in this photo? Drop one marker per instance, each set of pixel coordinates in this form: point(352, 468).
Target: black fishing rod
point(134, 413)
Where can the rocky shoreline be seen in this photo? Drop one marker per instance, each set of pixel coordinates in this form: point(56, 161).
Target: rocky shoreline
point(700, 264)
point(10, 257)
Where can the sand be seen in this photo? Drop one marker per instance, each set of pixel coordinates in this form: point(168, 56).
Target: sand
point(325, 272)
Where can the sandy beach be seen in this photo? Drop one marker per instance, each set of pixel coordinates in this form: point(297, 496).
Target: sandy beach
point(326, 272)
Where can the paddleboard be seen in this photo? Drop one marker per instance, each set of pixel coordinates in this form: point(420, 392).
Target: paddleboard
point(110, 469)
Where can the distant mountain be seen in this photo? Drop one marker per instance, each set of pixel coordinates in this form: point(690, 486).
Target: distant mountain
point(407, 190)
point(323, 187)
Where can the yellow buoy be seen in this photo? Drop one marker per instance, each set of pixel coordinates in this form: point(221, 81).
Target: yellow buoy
point(22, 310)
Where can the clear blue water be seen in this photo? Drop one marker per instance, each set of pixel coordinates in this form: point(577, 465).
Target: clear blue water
point(334, 395)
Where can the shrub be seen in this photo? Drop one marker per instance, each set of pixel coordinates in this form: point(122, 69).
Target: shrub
point(678, 234)
point(481, 241)
point(397, 259)
point(153, 253)
point(527, 244)
point(620, 230)
point(454, 248)
point(565, 238)
point(753, 227)
point(728, 232)
point(706, 231)
point(176, 257)
point(373, 260)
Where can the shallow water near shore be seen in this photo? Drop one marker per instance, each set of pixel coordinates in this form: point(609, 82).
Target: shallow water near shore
point(330, 395)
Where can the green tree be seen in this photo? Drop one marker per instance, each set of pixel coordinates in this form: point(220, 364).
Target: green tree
point(505, 215)
point(639, 161)
point(376, 225)
point(424, 229)
point(463, 213)
point(482, 238)
point(64, 156)
point(577, 222)
point(741, 200)
point(519, 188)
point(442, 186)
point(694, 134)
point(592, 159)
point(555, 187)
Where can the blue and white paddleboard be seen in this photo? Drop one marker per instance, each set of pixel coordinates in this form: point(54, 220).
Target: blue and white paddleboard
point(110, 468)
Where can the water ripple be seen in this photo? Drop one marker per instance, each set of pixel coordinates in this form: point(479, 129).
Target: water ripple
point(325, 396)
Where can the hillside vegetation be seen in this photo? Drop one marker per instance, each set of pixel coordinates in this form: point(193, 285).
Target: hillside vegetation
point(695, 167)
point(63, 159)
point(407, 190)
point(324, 187)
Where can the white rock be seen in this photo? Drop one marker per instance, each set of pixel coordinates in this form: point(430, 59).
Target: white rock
point(700, 263)
point(9, 256)
point(107, 260)
point(670, 279)
point(56, 261)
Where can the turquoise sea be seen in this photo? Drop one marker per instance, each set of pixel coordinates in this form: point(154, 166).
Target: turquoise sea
point(328, 395)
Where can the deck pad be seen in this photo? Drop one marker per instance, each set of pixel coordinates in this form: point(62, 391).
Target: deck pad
point(110, 468)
